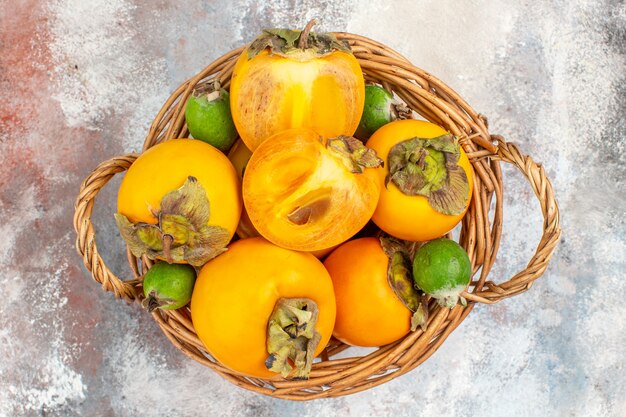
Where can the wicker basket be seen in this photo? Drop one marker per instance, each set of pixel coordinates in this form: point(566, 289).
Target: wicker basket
point(480, 234)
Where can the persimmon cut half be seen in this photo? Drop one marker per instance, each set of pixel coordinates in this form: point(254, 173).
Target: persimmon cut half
point(305, 193)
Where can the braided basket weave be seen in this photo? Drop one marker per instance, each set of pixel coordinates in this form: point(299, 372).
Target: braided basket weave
point(480, 234)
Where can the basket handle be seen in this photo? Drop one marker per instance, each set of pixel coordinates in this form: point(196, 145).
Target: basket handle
point(507, 152)
point(523, 280)
point(85, 234)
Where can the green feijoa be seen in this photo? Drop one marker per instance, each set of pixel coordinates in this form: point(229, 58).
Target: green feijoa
point(442, 269)
point(209, 119)
point(168, 286)
point(378, 110)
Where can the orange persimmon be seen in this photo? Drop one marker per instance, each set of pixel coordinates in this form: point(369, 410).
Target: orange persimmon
point(179, 201)
point(239, 155)
point(426, 184)
point(241, 302)
point(287, 79)
point(306, 193)
point(369, 311)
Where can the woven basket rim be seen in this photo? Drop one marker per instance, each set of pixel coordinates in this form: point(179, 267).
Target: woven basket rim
point(480, 234)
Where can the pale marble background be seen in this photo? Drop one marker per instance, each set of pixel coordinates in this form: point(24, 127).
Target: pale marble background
point(80, 81)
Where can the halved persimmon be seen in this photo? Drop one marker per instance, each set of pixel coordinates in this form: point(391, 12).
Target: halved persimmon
point(239, 155)
point(306, 193)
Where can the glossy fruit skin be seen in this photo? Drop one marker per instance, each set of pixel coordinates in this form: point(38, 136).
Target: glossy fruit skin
point(440, 266)
point(270, 93)
point(294, 168)
point(165, 167)
point(235, 295)
point(369, 313)
point(239, 155)
point(209, 119)
point(411, 217)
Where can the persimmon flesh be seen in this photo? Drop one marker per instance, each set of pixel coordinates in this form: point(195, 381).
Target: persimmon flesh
point(306, 193)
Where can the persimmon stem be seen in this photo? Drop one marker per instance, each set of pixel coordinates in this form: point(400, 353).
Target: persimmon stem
point(167, 247)
point(303, 42)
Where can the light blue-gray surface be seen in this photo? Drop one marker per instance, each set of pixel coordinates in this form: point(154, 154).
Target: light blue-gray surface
point(81, 80)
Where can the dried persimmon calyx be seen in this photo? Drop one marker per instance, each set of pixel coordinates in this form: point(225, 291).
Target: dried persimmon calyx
point(292, 337)
point(400, 279)
point(182, 233)
point(354, 154)
point(429, 167)
point(285, 42)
